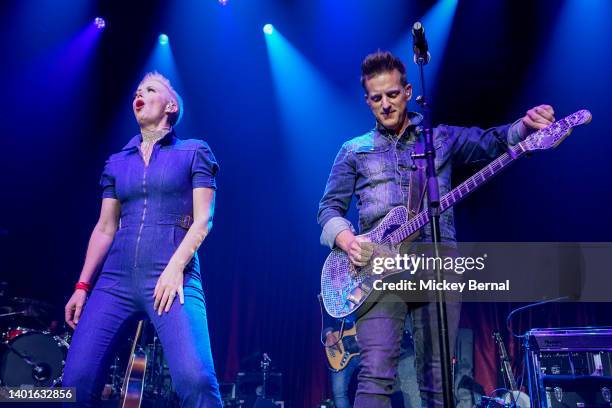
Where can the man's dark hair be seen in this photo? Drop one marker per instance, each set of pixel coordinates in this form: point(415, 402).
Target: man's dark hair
point(379, 62)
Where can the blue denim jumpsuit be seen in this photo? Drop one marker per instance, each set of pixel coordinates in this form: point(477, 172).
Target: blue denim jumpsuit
point(156, 212)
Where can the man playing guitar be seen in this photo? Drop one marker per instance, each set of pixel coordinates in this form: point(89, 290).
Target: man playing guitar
point(376, 168)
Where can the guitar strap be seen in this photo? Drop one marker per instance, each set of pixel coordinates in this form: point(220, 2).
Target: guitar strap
point(417, 185)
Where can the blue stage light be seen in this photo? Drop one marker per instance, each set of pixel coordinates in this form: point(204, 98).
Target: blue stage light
point(99, 23)
point(223, 2)
point(268, 29)
point(163, 39)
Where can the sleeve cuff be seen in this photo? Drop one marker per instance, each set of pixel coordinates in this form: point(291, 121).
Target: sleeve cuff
point(204, 181)
point(109, 192)
point(517, 132)
point(332, 228)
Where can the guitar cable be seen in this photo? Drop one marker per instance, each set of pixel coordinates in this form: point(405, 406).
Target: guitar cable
point(520, 309)
point(522, 336)
point(321, 339)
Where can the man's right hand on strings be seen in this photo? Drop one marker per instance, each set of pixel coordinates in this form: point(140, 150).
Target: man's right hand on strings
point(358, 248)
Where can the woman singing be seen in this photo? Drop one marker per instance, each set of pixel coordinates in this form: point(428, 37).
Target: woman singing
point(157, 208)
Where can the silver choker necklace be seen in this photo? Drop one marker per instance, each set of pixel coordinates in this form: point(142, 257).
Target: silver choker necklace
point(152, 136)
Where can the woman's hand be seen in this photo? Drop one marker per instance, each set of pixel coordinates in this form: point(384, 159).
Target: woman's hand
point(74, 307)
point(170, 283)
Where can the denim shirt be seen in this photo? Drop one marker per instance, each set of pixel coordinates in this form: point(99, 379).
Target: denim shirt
point(376, 167)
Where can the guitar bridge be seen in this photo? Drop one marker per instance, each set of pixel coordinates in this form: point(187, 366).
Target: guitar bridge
point(358, 294)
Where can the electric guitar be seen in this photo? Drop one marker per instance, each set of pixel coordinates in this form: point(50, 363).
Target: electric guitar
point(345, 287)
point(339, 355)
point(514, 397)
point(133, 382)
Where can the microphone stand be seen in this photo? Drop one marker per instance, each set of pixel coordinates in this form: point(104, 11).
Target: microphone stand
point(265, 368)
point(433, 202)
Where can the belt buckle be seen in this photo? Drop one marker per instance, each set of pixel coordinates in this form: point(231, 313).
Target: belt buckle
point(185, 221)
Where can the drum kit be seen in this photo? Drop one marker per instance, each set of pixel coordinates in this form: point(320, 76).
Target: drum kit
point(33, 349)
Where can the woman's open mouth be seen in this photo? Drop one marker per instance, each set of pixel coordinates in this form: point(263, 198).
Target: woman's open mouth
point(139, 104)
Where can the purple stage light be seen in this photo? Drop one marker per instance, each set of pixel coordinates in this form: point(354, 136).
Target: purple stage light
point(223, 2)
point(99, 23)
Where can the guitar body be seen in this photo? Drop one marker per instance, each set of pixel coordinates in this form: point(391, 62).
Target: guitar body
point(133, 382)
point(341, 354)
point(344, 287)
point(517, 398)
point(133, 385)
point(514, 397)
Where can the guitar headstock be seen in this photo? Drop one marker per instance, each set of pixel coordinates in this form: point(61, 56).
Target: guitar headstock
point(552, 135)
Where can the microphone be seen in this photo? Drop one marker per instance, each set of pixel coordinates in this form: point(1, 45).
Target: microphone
point(419, 44)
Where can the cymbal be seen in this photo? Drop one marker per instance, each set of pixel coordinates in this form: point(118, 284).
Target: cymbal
point(25, 312)
point(29, 307)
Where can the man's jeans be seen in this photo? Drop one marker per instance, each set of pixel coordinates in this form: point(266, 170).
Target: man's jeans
point(340, 382)
point(379, 334)
point(406, 390)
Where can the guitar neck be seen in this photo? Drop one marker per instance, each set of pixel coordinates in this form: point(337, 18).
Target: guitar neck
point(461, 191)
point(505, 362)
point(509, 376)
point(139, 329)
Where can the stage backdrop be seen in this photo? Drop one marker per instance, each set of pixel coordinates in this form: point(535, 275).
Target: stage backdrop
point(275, 110)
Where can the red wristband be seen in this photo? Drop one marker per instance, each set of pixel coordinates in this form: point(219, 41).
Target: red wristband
point(83, 285)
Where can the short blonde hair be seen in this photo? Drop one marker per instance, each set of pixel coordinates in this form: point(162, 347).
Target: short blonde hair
point(173, 117)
